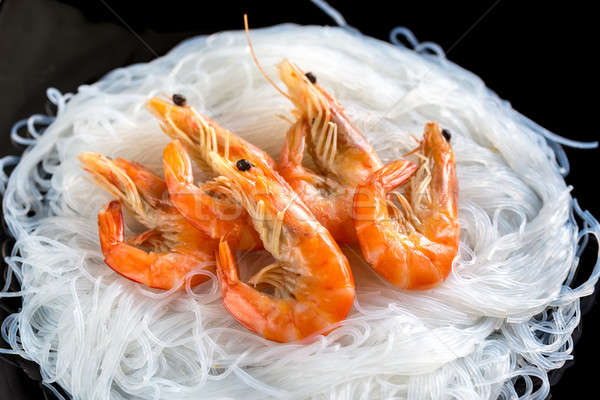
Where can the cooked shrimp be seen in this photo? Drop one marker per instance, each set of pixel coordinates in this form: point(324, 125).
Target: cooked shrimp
point(412, 246)
point(336, 146)
point(175, 247)
point(199, 135)
point(328, 200)
point(343, 156)
point(206, 209)
point(311, 278)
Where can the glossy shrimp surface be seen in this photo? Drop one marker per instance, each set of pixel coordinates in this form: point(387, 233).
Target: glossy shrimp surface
point(328, 200)
point(312, 283)
point(412, 246)
point(169, 249)
point(208, 210)
point(343, 156)
point(201, 135)
point(196, 136)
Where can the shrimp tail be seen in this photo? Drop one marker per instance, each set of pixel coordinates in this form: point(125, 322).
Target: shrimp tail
point(122, 258)
point(110, 226)
point(370, 198)
point(247, 305)
point(161, 271)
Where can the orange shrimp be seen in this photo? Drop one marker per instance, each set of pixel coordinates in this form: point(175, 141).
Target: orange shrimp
point(208, 210)
point(175, 247)
point(199, 135)
point(311, 278)
point(413, 248)
point(343, 156)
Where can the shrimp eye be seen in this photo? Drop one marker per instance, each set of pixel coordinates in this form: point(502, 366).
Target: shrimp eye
point(243, 164)
point(179, 99)
point(447, 135)
point(311, 77)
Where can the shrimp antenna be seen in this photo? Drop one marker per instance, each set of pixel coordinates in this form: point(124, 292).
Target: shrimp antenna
point(256, 59)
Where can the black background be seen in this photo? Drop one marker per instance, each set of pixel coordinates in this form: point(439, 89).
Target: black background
point(537, 55)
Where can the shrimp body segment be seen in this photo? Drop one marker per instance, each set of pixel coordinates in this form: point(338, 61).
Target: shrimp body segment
point(412, 247)
point(343, 156)
point(313, 287)
point(169, 249)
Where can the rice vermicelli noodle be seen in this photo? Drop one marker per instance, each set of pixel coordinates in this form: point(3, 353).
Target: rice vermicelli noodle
point(505, 312)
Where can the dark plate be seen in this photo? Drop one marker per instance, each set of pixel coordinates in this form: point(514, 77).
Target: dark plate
point(534, 56)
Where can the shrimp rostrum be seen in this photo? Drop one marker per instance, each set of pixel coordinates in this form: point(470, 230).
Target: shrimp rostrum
point(169, 249)
point(313, 287)
point(411, 242)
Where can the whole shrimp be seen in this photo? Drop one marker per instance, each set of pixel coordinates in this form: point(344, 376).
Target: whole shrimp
point(412, 246)
point(312, 281)
point(343, 156)
point(174, 246)
point(198, 135)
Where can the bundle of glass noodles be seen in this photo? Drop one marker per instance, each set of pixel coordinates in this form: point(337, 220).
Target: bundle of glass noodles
point(505, 311)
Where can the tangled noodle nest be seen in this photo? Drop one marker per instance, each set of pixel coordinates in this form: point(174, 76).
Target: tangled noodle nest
point(506, 311)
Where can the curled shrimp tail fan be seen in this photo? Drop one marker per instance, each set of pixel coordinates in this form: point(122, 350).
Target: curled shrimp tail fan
point(244, 303)
point(110, 225)
point(162, 270)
